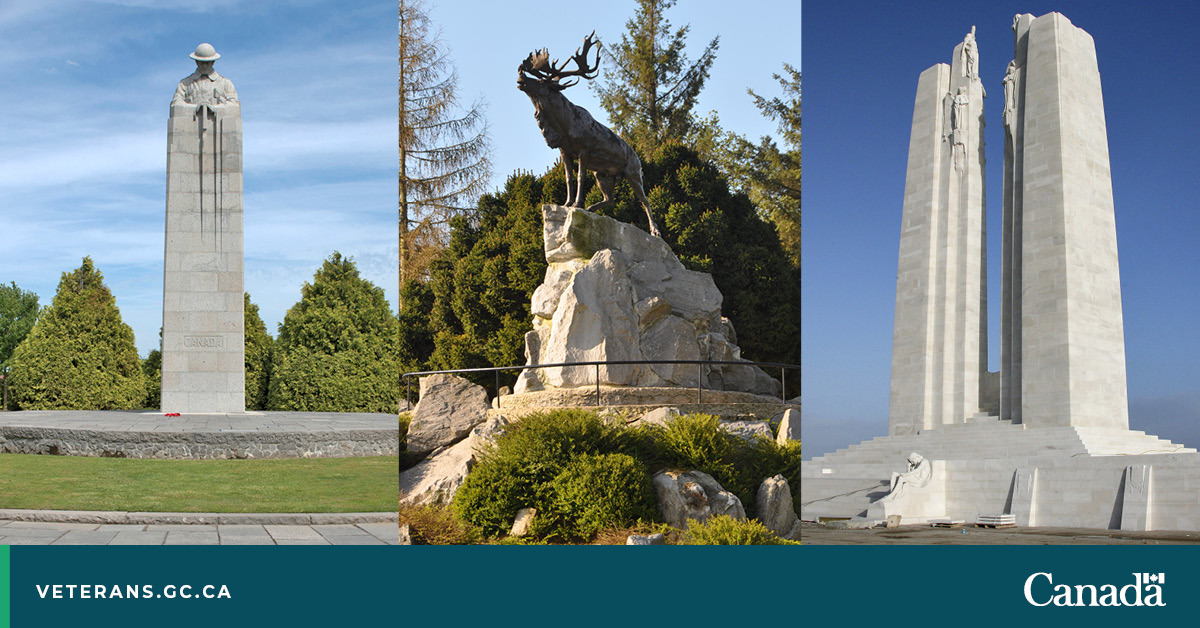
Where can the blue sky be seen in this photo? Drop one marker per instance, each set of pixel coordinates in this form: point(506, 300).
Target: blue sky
point(83, 147)
point(863, 60)
point(488, 40)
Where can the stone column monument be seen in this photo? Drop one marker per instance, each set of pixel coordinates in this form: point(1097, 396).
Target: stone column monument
point(203, 354)
point(1063, 331)
point(939, 358)
point(1062, 341)
point(1046, 440)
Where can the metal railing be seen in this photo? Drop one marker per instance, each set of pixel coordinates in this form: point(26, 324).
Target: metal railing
point(700, 364)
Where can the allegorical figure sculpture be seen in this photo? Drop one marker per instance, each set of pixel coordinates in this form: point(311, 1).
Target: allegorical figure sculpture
point(203, 360)
point(1010, 97)
point(970, 53)
point(918, 476)
point(571, 129)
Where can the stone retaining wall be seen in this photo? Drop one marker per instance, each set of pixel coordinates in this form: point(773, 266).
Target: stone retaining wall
point(199, 445)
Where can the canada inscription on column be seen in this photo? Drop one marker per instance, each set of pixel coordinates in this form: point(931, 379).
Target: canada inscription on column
point(203, 354)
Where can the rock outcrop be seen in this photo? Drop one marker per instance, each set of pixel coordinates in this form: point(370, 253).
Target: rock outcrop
point(774, 506)
point(613, 292)
point(523, 521)
point(449, 407)
point(747, 430)
point(789, 426)
point(436, 479)
point(684, 495)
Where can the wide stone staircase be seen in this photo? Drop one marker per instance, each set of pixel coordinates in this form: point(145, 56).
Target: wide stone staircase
point(843, 483)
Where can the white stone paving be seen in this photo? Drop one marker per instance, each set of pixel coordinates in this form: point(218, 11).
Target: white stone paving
point(46, 533)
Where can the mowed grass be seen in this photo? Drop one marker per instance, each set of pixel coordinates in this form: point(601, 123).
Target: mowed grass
point(289, 485)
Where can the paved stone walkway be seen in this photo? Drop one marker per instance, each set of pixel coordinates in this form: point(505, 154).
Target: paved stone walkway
point(813, 534)
point(55, 533)
point(153, 421)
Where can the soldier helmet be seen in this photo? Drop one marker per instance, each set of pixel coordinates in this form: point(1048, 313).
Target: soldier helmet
point(205, 52)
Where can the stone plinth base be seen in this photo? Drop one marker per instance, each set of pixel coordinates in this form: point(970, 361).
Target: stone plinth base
point(200, 436)
point(1068, 477)
point(631, 396)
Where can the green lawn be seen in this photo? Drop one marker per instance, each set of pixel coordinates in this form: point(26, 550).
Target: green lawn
point(290, 485)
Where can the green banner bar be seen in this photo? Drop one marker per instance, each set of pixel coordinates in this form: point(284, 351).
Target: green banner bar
point(5, 593)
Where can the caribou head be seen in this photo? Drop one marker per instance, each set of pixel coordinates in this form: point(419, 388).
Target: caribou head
point(537, 75)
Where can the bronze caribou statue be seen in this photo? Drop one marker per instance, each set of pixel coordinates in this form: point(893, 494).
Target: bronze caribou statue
point(571, 129)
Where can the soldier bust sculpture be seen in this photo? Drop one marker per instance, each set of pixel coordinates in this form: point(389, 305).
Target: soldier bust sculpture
point(205, 86)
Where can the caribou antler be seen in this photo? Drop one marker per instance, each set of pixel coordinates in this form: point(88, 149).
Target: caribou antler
point(538, 64)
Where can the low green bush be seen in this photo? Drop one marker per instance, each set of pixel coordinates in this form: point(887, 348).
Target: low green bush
point(696, 441)
point(519, 471)
point(725, 530)
point(585, 475)
point(594, 493)
point(436, 525)
point(762, 459)
point(493, 492)
point(405, 421)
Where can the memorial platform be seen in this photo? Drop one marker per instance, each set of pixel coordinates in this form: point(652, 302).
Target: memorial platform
point(1083, 477)
point(241, 435)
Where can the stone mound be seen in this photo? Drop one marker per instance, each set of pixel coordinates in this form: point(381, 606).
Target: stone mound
point(615, 293)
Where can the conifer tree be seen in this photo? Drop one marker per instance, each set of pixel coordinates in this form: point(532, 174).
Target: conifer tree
point(768, 174)
point(336, 350)
point(258, 357)
point(443, 152)
point(651, 87)
point(79, 355)
point(18, 311)
point(475, 310)
point(152, 369)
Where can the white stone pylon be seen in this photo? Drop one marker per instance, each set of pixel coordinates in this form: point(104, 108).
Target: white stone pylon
point(1063, 331)
point(939, 356)
point(203, 351)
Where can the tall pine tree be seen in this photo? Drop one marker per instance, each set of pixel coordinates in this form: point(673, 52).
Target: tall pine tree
point(443, 152)
point(652, 87)
point(79, 355)
point(769, 175)
point(18, 311)
point(258, 357)
point(336, 350)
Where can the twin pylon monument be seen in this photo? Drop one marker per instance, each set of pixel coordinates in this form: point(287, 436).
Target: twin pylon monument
point(1046, 439)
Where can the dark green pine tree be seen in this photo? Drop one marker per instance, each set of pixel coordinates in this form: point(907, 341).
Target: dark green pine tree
point(18, 312)
point(651, 87)
point(258, 357)
point(79, 355)
point(770, 175)
point(152, 369)
point(476, 308)
point(336, 350)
